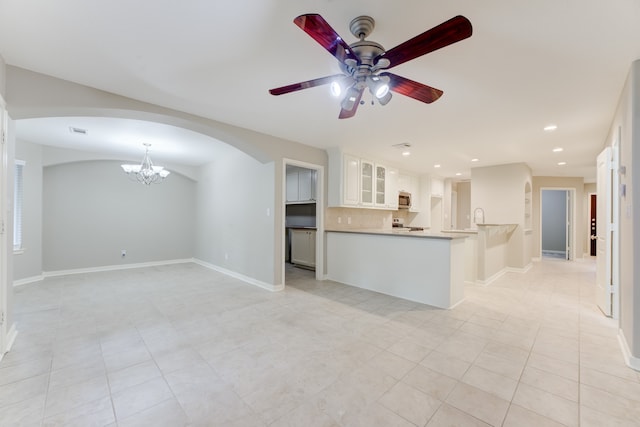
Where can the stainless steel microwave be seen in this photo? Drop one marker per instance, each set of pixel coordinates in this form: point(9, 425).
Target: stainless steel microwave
point(404, 200)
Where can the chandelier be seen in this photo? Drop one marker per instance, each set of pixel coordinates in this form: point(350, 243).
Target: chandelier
point(146, 172)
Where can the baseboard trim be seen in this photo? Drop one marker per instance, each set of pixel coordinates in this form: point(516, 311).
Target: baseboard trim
point(520, 270)
point(11, 338)
point(57, 273)
point(536, 259)
point(630, 360)
point(28, 280)
point(492, 278)
point(247, 279)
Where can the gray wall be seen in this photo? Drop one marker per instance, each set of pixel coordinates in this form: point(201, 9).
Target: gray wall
point(235, 215)
point(91, 211)
point(29, 262)
point(554, 220)
point(464, 205)
point(626, 122)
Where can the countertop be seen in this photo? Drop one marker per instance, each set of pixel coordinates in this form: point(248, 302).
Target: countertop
point(300, 228)
point(404, 233)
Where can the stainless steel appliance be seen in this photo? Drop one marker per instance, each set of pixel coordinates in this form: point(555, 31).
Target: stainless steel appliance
point(404, 200)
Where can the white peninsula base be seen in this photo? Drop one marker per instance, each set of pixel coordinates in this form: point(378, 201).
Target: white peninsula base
point(415, 266)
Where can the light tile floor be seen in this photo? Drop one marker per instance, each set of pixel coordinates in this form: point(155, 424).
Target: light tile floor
point(182, 345)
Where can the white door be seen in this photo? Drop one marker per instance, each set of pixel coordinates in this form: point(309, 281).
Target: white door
point(604, 219)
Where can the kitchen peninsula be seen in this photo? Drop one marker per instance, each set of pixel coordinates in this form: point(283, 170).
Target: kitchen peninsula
point(415, 265)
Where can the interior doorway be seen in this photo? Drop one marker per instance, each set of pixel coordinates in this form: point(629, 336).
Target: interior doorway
point(557, 224)
point(302, 219)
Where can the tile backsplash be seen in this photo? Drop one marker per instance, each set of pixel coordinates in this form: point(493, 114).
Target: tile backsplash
point(338, 218)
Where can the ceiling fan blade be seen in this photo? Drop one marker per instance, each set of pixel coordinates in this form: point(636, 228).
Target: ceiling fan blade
point(315, 25)
point(345, 114)
point(305, 85)
point(415, 90)
point(449, 32)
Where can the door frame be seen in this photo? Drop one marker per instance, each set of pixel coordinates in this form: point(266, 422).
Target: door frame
point(320, 196)
point(572, 220)
point(6, 240)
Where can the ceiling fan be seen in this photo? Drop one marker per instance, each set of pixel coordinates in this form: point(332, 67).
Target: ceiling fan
point(361, 62)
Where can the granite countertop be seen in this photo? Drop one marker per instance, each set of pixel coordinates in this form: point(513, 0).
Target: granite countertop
point(403, 233)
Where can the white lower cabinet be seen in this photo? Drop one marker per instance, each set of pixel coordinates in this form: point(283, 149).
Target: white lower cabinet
point(303, 247)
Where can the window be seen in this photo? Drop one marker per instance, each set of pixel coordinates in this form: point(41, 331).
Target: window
point(18, 196)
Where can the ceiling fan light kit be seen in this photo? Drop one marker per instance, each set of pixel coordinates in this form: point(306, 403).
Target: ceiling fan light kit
point(361, 62)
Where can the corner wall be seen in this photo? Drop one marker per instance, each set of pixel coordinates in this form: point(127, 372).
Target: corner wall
point(500, 192)
point(234, 216)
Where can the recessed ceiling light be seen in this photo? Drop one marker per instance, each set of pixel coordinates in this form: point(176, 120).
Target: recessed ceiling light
point(406, 153)
point(475, 160)
point(562, 163)
point(550, 128)
point(558, 149)
point(458, 173)
point(436, 166)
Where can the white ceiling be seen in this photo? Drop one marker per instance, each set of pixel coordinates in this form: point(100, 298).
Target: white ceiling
point(527, 65)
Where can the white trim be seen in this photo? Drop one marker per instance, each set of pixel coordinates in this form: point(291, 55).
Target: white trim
point(247, 279)
point(493, 278)
point(28, 280)
point(11, 338)
point(456, 304)
point(632, 362)
point(521, 270)
point(46, 274)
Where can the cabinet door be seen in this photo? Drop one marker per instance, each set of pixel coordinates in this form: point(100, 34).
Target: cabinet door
point(351, 184)
point(305, 184)
point(391, 188)
point(366, 183)
point(437, 187)
point(381, 185)
point(292, 186)
point(303, 247)
point(415, 194)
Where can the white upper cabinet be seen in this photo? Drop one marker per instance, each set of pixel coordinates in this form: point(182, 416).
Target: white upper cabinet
point(367, 183)
point(437, 187)
point(357, 182)
point(301, 185)
point(391, 188)
point(411, 184)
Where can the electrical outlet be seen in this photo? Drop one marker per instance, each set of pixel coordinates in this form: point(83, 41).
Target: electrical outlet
point(123, 253)
point(348, 220)
point(226, 256)
point(339, 220)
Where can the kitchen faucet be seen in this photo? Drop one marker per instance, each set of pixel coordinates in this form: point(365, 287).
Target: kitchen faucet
point(478, 213)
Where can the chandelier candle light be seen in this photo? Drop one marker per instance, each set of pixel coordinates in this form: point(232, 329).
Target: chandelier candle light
point(146, 172)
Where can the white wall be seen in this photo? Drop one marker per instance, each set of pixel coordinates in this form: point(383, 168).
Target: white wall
point(29, 263)
point(92, 210)
point(235, 217)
